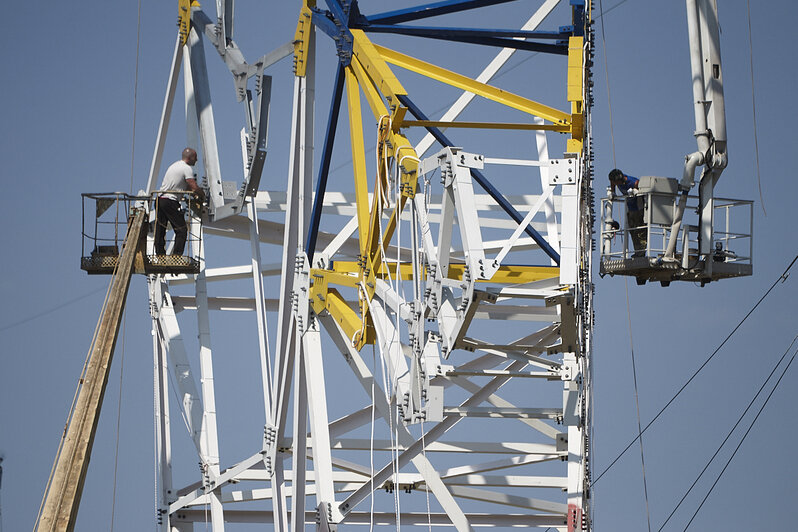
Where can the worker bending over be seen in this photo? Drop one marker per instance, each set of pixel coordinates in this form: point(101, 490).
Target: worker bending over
point(627, 186)
point(179, 177)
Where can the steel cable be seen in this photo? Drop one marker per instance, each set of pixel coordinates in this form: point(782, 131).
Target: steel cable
point(135, 96)
point(739, 420)
point(761, 408)
point(51, 309)
point(637, 405)
point(753, 108)
point(626, 283)
point(782, 278)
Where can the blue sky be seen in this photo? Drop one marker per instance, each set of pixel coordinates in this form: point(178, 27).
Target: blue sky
point(67, 106)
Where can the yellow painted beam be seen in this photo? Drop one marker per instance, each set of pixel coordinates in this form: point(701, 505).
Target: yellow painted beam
point(505, 274)
point(574, 91)
point(512, 274)
point(462, 82)
point(349, 320)
point(397, 118)
point(575, 69)
point(375, 66)
point(358, 157)
point(405, 269)
point(335, 277)
point(184, 18)
point(390, 227)
point(373, 96)
point(318, 292)
point(359, 327)
point(303, 29)
point(485, 125)
point(405, 156)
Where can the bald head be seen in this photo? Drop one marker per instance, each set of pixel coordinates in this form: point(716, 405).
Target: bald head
point(190, 156)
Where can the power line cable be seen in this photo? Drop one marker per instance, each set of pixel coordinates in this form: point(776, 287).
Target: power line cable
point(124, 322)
point(753, 107)
point(782, 278)
point(742, 440)
point(50, 310)
point(637, 405)
point(626, 283)
point(739, 420)
point(607, 81)
point(611, 8)
point(135, 96)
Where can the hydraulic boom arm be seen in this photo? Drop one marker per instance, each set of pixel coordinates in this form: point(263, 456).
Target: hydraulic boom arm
point(710, 121)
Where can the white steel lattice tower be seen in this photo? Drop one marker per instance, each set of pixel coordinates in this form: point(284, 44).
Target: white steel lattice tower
point(424, 342)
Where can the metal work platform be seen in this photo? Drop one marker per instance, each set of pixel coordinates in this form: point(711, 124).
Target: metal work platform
point(731, 246)
point(105, 224)
point(654, 269)
point(99, 263)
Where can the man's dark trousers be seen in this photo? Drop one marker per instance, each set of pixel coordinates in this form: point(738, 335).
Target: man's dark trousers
point(168, 211)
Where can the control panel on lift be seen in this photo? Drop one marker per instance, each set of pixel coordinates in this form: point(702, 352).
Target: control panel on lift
point(106, 219)
point(651, 246)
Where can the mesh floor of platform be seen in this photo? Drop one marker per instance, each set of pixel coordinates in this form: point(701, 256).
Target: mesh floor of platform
point(175, 264)
point(171, 264)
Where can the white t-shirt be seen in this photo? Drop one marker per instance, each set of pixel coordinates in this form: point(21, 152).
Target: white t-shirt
point(175, 178)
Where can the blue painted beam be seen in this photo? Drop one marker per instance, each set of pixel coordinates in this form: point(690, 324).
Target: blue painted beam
point(431, 10)
point(480, 178)
point(338, 12)
point(335, 23)
point(324, 167)
point(557, 49)
point(325, 23)
point(461, 32)
point(578, 17)
point(482, 37)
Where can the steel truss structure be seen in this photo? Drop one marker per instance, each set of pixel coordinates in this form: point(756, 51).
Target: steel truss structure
point(464, 314)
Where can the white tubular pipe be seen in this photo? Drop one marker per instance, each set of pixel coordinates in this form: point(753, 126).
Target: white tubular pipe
point(677, 224)
point(703, 95)
point(713, 80)
point(696, 69)
point(688, 179)
point(691, 162)
point(606, 242)
point(697, 158)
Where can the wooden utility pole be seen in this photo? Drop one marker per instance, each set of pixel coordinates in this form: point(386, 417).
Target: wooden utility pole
point(65, 488)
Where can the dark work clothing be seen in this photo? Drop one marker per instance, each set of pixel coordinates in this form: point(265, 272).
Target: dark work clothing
point(168, 211)
point(632, 203)
point(639, 236)
point(634, 214)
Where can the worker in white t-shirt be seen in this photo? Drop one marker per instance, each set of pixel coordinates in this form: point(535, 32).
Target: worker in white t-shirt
point(179, 176)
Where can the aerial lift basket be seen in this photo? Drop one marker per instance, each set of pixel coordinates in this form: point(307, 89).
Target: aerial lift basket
point(731, 247)
point(105, 222)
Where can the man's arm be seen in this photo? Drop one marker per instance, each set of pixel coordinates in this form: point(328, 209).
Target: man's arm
point(195, 188)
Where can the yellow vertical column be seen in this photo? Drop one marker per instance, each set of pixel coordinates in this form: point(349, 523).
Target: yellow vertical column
point(575, 92)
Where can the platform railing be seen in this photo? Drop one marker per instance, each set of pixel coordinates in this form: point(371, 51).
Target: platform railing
point(732, 230)
point(105, 218)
